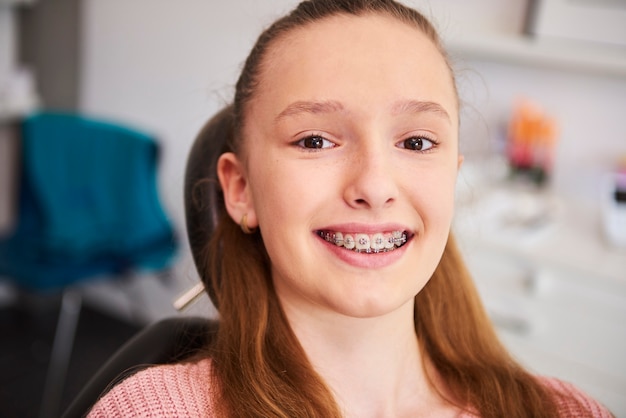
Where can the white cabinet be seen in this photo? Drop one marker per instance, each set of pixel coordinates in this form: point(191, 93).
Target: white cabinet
point(556, 293)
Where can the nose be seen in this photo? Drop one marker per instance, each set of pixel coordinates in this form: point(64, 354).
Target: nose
point(371, 182)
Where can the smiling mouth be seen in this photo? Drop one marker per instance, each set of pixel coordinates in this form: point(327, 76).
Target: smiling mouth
point(381, 242)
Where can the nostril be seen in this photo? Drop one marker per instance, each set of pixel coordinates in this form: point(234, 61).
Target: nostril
point(365, 202)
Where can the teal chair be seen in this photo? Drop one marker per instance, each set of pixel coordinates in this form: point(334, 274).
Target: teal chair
point(89, 209)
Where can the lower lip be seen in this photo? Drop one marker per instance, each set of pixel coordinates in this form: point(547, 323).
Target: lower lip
point(365, 260)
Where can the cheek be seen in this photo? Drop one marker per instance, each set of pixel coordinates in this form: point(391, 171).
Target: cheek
point(434, 197)
point(283, 192)
point(269, 193)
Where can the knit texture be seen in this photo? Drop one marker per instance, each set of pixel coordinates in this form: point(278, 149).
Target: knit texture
point(173, 390)
point(182, 390)
point(574, 403)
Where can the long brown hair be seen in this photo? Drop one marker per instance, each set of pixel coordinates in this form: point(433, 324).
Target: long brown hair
point(260, 368)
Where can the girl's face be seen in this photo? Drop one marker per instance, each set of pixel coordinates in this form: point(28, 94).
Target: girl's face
point(351, 157)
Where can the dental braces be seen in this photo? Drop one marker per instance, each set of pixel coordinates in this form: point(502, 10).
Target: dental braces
point(395, 241)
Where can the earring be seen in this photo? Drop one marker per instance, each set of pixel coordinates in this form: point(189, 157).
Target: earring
point(244, 225)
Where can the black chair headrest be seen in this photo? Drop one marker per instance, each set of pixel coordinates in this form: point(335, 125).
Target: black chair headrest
point(204, 204)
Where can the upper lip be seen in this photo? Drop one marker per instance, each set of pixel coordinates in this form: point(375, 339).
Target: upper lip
point(364, 228)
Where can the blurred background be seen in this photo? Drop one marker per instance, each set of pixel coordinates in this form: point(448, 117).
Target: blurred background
point(542, 195)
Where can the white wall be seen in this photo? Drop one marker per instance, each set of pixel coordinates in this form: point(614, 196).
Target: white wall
point(165, 67)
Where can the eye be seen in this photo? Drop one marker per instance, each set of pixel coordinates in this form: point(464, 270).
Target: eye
point(417, 143)
point(315, 142)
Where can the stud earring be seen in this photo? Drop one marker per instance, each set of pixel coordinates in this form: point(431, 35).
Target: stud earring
point(244, 225)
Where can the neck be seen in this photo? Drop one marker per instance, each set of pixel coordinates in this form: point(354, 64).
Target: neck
point(373, 366)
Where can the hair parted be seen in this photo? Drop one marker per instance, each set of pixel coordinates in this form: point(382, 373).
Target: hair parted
point(259, 367)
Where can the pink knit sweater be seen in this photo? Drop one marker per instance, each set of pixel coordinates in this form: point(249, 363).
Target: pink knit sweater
point(180, 390)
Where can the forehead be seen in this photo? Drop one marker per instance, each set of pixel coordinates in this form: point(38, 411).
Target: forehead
point(354, 55)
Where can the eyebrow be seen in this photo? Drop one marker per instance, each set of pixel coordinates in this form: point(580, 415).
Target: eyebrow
point(330, 106)
point(311, 107)
point(418, 106)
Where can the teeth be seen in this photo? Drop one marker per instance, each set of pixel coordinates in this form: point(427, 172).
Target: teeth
point(348, 241)
point(362, 242)
point(389, 242)
point(375, 243)
point(378, 242)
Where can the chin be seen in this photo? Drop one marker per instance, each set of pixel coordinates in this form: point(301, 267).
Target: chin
point(370, 308)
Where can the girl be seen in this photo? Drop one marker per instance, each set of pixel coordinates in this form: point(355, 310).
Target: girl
point(339, 287)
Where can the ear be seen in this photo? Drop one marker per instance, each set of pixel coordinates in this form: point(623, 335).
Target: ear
point(234, 182)
point(460, 163)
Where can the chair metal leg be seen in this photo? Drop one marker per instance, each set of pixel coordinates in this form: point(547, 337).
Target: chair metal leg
point(61, 353)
